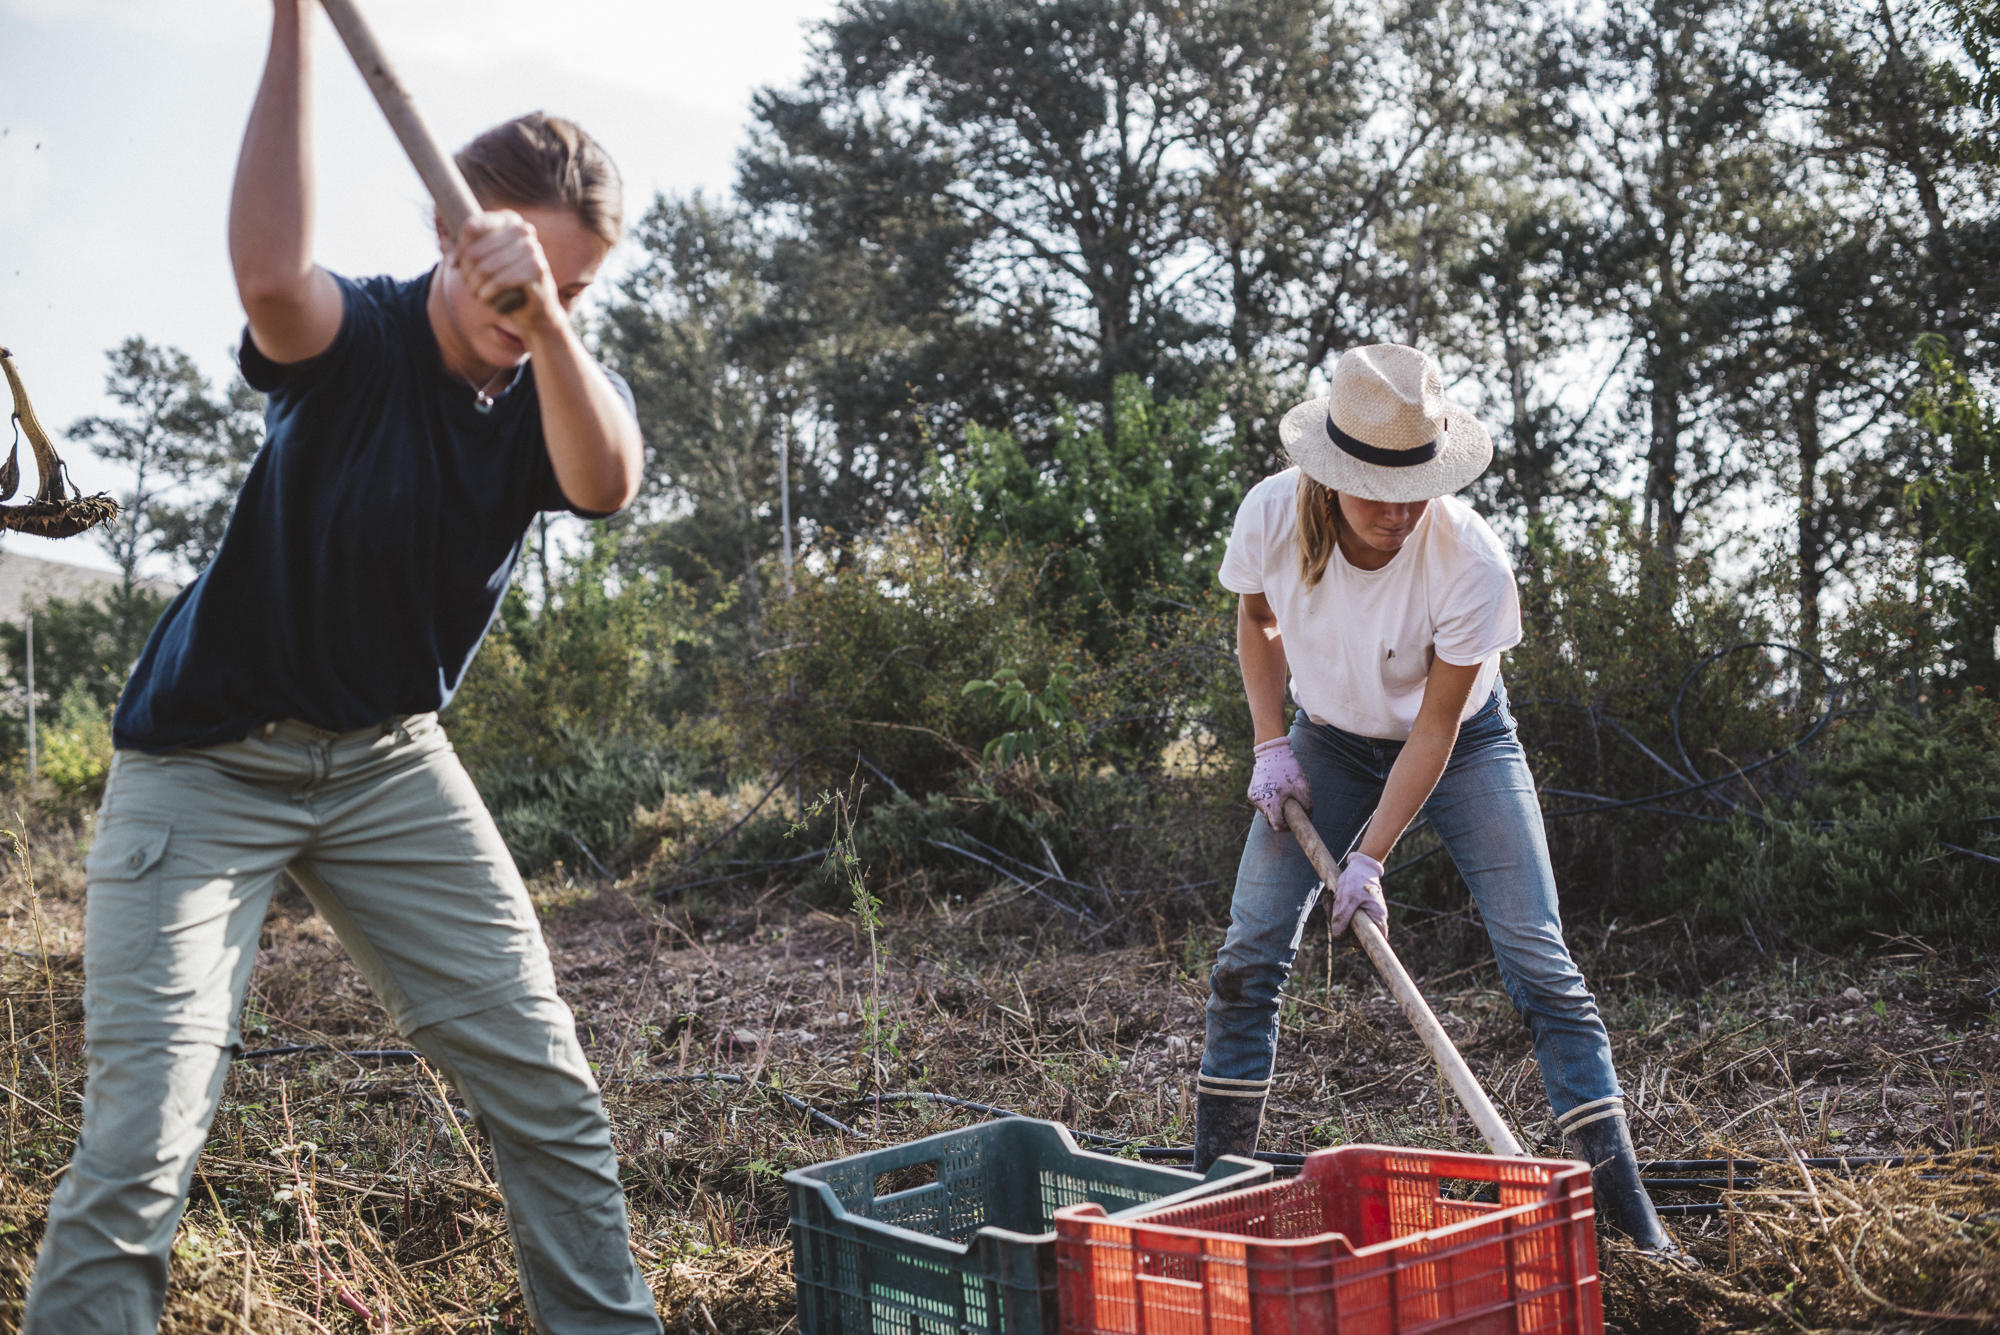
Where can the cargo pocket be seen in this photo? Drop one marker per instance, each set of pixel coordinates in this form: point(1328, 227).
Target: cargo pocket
point(121, 903)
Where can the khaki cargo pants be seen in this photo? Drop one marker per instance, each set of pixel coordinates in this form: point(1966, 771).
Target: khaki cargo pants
point(389, 839)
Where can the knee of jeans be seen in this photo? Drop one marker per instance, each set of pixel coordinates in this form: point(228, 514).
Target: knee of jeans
point(1254, 985)
point(1556, 996)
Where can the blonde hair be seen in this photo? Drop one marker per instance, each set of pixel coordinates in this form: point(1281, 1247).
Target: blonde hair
point(1319, 527)
point(544, 161)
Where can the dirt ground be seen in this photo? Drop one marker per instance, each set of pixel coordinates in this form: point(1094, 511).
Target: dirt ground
point(343, 1194)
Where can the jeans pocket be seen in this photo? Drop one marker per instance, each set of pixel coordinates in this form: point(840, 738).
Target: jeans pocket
point(121, 904)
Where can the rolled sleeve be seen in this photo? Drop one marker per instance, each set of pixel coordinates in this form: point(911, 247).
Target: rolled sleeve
point(1243, 559)
point(1481, 616)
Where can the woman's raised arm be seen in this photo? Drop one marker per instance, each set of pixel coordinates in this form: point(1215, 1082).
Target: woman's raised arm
point(293, 305)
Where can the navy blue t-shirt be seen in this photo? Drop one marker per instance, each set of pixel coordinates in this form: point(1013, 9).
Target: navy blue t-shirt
point(370, 546)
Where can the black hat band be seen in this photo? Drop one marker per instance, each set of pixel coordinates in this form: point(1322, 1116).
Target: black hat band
point(1370, 454)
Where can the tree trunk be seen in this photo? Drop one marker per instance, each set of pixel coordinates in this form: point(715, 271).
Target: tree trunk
point(1812, 519)
point(1530, 493)
point(1948, 287)
point(1662, 514)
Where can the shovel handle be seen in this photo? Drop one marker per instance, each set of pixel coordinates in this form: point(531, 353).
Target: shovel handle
point(1484, 1115)
point(448, 190)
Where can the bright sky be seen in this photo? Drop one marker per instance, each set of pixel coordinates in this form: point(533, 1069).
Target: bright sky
point(120, 120)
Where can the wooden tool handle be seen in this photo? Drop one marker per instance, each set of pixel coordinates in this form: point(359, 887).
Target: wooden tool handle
point(1484, 1115)
point(454, 199)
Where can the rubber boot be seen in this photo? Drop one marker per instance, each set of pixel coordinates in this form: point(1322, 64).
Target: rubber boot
point(1602, 1139)
point(1227, 1117)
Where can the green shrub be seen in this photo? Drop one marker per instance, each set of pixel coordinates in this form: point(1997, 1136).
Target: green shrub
point(574, 716)
point(75, 750)
point(1114, 522)
point(980, 741)
point(870, 661)
point(600, 656)
point(583, 796)
point(1866, 847)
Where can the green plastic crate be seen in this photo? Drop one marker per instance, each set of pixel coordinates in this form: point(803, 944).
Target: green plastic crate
point(970, 1247)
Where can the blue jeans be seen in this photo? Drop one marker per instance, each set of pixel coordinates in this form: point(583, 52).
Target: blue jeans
point(1484, 809)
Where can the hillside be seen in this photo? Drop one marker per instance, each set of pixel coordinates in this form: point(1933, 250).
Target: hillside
point(27, 581)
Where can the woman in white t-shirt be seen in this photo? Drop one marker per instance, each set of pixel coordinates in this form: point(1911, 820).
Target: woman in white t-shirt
point(1389, 603)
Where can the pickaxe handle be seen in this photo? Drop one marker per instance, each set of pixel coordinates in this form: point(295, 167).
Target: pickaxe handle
point(454, 199)
point(1484, 1115)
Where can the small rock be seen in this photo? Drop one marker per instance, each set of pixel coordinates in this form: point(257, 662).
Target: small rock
point(1852, 996)
point(747, 1038)
point(842, 1017)
point(1177, 1045)
point(706, 994)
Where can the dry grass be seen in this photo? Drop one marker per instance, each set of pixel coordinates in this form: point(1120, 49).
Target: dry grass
point(344, 1196)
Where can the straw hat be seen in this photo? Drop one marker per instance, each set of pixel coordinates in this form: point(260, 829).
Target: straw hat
point(1385, 431)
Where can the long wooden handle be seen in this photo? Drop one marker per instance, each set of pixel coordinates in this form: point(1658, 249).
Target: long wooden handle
point(1484, 1115)
point(454, 199)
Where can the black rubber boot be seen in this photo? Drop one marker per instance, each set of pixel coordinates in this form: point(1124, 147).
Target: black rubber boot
point(1227, 1123)
point(1604, 1141)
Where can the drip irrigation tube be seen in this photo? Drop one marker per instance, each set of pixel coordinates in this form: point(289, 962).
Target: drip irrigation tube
point(394, 1056)
point(404, 1056)
point(792, 1101)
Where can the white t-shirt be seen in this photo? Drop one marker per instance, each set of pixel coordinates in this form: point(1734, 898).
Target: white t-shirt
point(1359, 642)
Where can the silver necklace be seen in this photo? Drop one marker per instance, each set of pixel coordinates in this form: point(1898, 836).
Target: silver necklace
point(482, 395)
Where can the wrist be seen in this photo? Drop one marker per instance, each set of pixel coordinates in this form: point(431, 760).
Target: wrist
point(543, 324)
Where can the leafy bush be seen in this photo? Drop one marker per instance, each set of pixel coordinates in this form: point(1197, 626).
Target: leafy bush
point(87, 643)
point(582, 802)
point(600, 655)
point(573, 715)
point(1114, 521)
point(984, 742)
point(1885, 837)
point(871, 659)
point(75, 750)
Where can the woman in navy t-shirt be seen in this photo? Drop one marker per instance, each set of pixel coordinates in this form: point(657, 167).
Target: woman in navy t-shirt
point(282, 717)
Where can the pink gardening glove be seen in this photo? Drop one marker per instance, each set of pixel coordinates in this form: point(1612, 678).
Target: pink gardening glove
point(1276, 777)
point(1359, 890)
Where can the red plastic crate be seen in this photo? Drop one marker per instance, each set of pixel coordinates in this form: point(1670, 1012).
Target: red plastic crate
point(1367, 1240)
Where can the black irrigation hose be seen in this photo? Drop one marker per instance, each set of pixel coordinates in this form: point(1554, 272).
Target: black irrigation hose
point(1758, 1165)
point(1150, 1153)
point(665, 892)
point(1032, 889)
point(394, 1056)
point(792, 1101)
point(403, 1056)
point(1185, 1154)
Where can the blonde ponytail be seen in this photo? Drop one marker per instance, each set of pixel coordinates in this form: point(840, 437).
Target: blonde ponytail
point(1319, 527)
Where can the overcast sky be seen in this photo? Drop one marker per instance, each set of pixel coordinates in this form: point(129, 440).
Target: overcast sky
point(120, 120)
